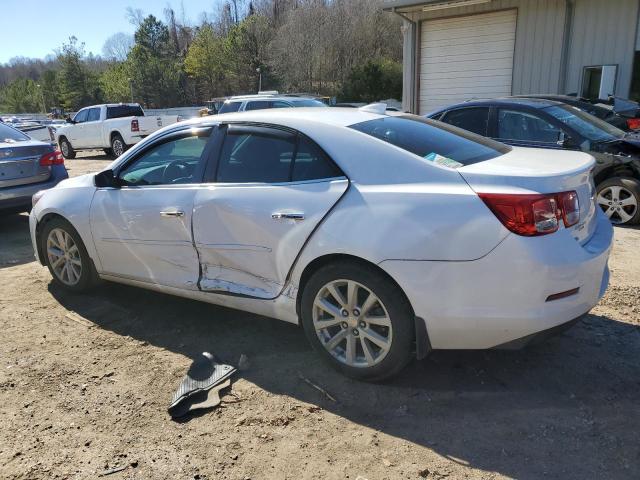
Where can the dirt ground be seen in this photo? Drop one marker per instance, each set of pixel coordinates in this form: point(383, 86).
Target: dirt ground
point(85, 382)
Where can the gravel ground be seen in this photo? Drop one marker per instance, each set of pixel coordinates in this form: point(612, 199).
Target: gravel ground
point(85, 382)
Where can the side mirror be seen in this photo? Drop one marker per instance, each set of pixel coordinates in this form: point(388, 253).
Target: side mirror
point(69, 120)
point(106, 179)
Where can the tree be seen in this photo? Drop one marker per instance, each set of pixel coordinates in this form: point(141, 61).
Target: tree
point(117, 47)
point(373, 81)
point(78, 86)
point(21, 96)
point(207, 62)
point(155, 70)
point(115, 83)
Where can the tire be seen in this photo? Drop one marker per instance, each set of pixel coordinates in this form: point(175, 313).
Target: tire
point(67, 150)
point(118, 147)
point(108, 152)
point(619, 198)
point(358, 327)
point(56, 234)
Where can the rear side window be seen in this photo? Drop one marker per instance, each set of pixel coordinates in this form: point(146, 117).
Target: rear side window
point(523, 126)
point(474, 119)
point(434, 141)
point(262, 156)
point(257, 105)
point(120, 111)
point(312, 163)
point(228, 107)
point(8, 134)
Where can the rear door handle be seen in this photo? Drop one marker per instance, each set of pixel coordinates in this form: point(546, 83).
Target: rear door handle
point(287, 216)
point(172, 213)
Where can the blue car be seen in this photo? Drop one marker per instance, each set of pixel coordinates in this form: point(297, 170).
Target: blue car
point(26, 166)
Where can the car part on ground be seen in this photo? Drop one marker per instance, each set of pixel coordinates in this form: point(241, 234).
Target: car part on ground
point(379, 264)
point(201, 385)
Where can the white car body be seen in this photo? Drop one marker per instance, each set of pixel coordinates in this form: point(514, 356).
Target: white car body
point(97, 130)
point(471, 282)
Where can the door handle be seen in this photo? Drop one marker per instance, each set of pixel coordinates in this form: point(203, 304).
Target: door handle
point(172, 213)
point(287, 216)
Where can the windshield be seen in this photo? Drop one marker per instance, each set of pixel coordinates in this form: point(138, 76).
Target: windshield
point(228, 107)
point(433, 141)
point(308, 103)
point(588, 126)
point(10, 135)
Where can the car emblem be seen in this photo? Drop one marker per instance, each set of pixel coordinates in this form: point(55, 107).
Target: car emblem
point(7, 153)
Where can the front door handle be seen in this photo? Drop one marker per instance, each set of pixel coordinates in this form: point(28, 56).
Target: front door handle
point(172, 213)
point(287, 216)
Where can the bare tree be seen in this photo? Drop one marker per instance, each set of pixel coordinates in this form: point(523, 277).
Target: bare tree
point(117, 46)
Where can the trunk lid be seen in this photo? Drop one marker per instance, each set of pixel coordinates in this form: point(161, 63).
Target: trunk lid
point(533, 170)
point(20, 163)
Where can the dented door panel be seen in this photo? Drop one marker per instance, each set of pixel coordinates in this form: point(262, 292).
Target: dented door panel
point(249, 235)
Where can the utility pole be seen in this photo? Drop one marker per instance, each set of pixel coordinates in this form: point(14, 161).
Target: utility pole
point(44, 108)
point(259, 79)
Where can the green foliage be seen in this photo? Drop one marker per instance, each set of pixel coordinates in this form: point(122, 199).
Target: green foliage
point(78, 86)
point(115, 83)
point(375, 80)
point(155, 71)
point(207, 62)
point(21, 96)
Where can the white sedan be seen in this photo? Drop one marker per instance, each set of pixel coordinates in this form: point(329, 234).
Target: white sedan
point(385, 235)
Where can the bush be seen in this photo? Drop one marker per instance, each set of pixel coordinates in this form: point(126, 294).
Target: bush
point(373, 81)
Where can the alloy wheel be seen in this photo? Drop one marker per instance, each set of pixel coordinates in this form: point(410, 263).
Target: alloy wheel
point(117, 147)
point(65, 149)
point(64, 257)
point(618, 203)
point(352, 323)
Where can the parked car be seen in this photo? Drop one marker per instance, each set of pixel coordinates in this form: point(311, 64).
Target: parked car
point(382, 234)
point(111, 127)
point(602, 111)
point(244, 103)
point(551, 125)
point(26, 166)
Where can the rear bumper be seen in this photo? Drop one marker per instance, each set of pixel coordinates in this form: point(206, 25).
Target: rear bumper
point(503, 296)
point(18, 198)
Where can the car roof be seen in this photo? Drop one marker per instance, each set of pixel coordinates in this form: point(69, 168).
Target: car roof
point(505, 101)
point(290, 98)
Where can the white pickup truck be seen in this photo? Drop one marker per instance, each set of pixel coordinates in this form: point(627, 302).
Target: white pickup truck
point(111, 127)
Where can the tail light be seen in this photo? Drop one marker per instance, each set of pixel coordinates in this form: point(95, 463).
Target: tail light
point(51, 158)
point(534, 215)
point(633, 123)
point(135, 126)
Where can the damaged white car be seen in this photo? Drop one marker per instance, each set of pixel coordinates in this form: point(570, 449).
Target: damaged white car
point(385, 235)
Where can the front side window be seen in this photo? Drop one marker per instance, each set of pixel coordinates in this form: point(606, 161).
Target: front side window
point(175, 161)
point(308, 103)
point(93, 115)
point(280, 104)
point(81, 116)
point(473, 119)
point(432, 140)
point(524, 126)
point(229, 107)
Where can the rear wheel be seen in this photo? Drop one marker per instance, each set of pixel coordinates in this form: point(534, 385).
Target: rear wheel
point(66, 149)
point(118, 146)
point(358, 320)
point(619, 198)
point(66, 256)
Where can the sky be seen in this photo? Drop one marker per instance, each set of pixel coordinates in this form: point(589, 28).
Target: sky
point(32, 28)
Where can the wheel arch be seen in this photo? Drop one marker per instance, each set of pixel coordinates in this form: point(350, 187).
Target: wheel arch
point(616, 171)
point(423, 345)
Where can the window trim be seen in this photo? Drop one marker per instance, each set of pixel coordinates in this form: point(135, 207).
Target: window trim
point(204, 159)
point(221, 135)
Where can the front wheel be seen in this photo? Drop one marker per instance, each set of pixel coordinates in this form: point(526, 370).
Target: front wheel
point(358, 320)
point(66, 256)
point(619, 198)
point(67, 150)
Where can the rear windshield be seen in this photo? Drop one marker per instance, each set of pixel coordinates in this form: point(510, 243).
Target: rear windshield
point(432, 140)
point(10, 135)
point(586, 125)
point(230, 107)
point(120, 111)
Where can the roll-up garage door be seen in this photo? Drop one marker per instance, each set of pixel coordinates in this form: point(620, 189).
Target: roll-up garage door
point(463, 58)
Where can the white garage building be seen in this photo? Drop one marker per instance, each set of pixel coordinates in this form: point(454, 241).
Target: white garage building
point(458, 50)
